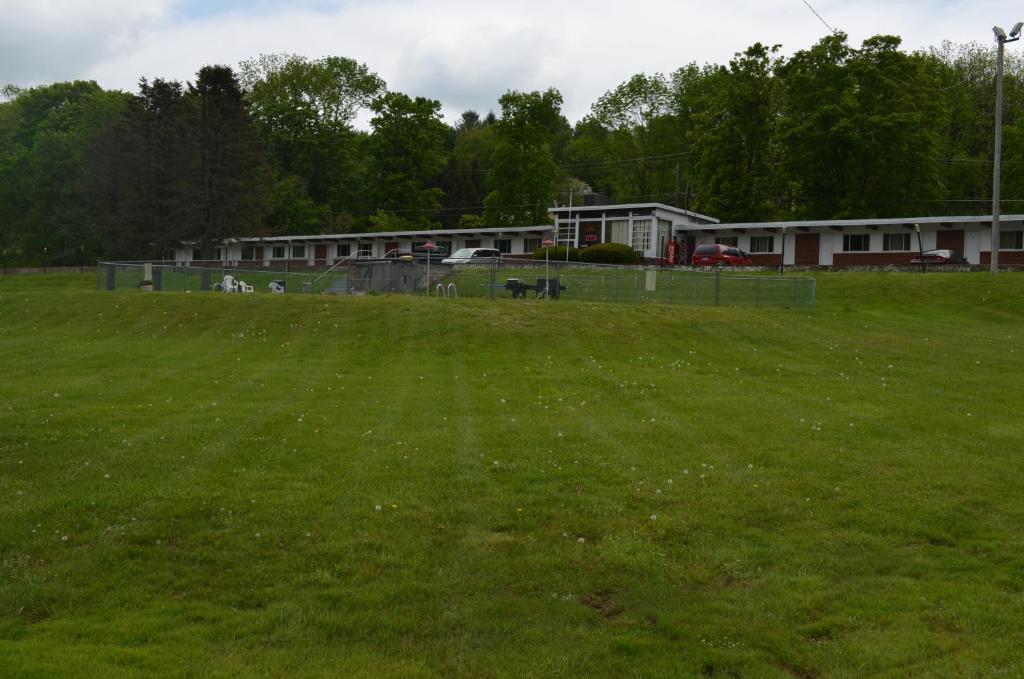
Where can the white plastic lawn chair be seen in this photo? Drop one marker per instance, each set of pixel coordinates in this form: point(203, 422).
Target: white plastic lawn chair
point(229, 284)
point(245, 287)
point(276, 287)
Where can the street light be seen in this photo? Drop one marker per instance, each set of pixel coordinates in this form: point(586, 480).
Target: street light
point(1001, 41)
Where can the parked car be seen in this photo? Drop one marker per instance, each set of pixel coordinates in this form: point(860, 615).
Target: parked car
point(472, 256)
point(940, 257)
point(719, 255)
point(438, 253)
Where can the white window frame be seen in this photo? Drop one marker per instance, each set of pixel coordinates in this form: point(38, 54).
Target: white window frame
point(728, 241)
point(848, 236)
point(769, 241)
point(1015, 238)
point(641, 240)
point(298, 252)
point(886, 245)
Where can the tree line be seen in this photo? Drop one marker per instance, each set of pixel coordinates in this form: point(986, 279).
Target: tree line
point(272, 147)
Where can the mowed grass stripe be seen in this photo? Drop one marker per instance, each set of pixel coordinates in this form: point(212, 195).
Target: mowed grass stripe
point(243, 537)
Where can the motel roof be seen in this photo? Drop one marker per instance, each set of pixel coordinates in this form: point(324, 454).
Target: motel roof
point(839, 224)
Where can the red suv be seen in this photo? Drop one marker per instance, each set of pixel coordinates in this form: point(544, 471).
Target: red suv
point(720, 255)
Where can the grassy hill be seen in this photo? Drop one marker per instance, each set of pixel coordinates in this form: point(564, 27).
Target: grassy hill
point(305, 485)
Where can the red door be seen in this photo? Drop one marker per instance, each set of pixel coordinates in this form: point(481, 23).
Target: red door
point(949, 240)
point(321, 254)
point(808, 246)
point(473, 243)
point(390, 249)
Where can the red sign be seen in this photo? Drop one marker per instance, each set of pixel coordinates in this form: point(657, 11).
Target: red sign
point(591, 238)
point(672, 252)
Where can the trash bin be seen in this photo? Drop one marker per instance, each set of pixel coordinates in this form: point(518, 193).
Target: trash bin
point(307, 287)
point(277, 286)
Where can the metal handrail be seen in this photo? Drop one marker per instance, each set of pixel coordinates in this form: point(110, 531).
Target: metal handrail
point(334, 266)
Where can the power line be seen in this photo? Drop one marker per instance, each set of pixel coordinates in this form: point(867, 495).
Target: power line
point(830, 29)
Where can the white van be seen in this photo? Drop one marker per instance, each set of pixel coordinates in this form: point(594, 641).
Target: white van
point(472, 256)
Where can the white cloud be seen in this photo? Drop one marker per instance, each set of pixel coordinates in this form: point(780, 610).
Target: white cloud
point(50, 40)
point(464, 53)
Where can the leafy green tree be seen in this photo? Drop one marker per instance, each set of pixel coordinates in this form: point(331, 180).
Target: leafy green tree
point(464, 179)
point(46, 134)
point(861, 129)
point(737, 140)
point(305, 110)
point(234, 176)
point(407, 148)
point(631, 138)
point(523, 169)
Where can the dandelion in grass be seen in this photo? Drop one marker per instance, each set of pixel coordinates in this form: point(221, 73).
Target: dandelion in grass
point(580, 540)
point(377, 508)
point(654, 517)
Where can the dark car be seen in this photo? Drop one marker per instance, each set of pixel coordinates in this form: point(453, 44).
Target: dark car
point(719, 255)
point(939, 257)
point(439, 252)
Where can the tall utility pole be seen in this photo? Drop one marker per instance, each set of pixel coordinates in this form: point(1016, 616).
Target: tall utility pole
point(997, 156)
point(569, 220)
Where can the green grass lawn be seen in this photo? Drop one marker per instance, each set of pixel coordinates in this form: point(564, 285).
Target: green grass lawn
point(279, 485)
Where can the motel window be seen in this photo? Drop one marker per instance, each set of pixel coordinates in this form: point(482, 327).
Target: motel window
point(729, 241)
point(197, 255)
point(277, 252)
point(762, 243)
point(216, 254)
point(642, 235)
point(503, 245)
point(1011, 240)
point(896, 242)
point(249, 253)
point(531, 244)
point(618, 231)
point(344, 249)
point(298, 252)
point(857, 242)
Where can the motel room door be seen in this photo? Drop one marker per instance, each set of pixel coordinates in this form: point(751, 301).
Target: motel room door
point(320, 254)
point(949, 240)
point(808, 246)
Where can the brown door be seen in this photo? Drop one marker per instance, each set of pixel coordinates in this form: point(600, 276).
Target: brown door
point(473, 243)
point(321, 254)
point(949, 240)
point(390, 249)
point(807, 248)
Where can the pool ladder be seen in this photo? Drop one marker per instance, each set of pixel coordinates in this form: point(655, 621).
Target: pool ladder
point(450, 291)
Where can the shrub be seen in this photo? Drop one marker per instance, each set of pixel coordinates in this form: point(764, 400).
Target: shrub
point(610, 253)
point(557, 254)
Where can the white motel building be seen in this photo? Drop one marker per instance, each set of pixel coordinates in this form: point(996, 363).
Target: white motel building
point(661, 233)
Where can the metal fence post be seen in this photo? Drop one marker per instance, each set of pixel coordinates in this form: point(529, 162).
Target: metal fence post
point(718, 285)
point(757, 291)
point(494, 275)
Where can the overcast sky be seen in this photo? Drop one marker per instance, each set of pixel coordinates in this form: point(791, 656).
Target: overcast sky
point(464, 53)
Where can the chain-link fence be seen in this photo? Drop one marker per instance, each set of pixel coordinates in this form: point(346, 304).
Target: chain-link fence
point(494, 279)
